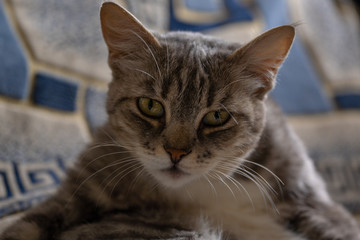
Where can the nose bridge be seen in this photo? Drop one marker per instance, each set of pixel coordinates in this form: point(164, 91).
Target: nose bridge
point(179, 136)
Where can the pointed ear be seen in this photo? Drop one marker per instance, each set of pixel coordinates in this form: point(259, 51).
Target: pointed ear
point(124, 35)
point(260, 59)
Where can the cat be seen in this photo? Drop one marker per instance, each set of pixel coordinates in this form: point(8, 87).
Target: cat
point(193, 149)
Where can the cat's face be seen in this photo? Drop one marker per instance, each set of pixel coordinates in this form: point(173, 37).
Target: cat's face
point(190, 118)
point(185, 105)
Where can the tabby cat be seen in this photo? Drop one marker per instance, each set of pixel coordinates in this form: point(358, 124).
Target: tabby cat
point(193, 149)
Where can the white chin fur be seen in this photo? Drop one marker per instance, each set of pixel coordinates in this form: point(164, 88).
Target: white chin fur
point(173, 178)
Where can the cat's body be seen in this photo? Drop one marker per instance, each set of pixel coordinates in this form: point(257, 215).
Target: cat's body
point(192, 150)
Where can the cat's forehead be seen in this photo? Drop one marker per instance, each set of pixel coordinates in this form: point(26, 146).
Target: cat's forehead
point(188, 74)
point(198, 44)
point(191, 75)
point(191, 68)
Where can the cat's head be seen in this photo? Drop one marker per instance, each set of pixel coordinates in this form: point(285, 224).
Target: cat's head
point(188, 106)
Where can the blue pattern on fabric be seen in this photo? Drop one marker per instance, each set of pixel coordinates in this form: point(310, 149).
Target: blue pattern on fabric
point(348, 100)
point(13, 65)
point(55, 92)
point(204, 5)
point(236, 13)
point(23, 185)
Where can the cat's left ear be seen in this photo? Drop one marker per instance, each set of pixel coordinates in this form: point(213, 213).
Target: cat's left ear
point(260, 59)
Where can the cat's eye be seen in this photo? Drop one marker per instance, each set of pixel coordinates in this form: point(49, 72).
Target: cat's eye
point(216, 118)
point(150, 107)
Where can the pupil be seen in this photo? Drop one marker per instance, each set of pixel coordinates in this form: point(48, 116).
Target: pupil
point(217, 116)
point(150, 104)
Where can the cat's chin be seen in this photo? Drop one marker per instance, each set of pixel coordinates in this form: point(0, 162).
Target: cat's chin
point(174, 172)
point(173, 177)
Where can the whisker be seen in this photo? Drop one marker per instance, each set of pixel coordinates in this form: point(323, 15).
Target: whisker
point(98, 146)
point(278, 180)
point(246, 174)
point(135, 167)
point(254, 179)
point(262, 179)
point(155, 186)
point(222, 180)
point(265, 168)
point(146, 73)
point(117, 172)
point(189, 194)
point(126, 162)
point(109, 136)
point(151, 52)
point(89, 177)
point(103, 144)
point(233, 118)
point(211, 185)
point(263, 192)
point(228, 177)
point(105, 155)
point(260, 186)
point(92, 161)
point(237, 183)
point(167, 56)
point(134, 181)
point(238, 80)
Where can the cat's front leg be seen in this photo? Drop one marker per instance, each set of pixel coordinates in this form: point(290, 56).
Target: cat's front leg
point(320, 220)
point(46, 221)
point(42, 222)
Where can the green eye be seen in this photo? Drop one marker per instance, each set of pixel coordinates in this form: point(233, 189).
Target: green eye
point(150, 107)
point(216, 118)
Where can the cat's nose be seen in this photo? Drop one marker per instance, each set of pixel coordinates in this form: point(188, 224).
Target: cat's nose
point(176, 154)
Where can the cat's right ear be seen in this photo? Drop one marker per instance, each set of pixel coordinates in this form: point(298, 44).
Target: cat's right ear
point(124, 35)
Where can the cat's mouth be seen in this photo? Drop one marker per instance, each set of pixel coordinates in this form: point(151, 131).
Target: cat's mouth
point(174, 172)
point(173, 176)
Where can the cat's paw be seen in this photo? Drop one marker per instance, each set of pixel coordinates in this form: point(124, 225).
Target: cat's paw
point(21, 231)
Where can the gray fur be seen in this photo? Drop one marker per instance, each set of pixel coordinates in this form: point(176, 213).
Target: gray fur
point(124, 185)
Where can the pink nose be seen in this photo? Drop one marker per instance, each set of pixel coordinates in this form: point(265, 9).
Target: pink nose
point(176, 154)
